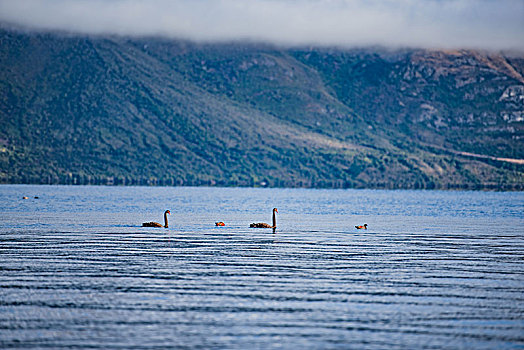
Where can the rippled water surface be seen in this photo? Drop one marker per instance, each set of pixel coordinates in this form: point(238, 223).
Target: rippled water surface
point(434, 269)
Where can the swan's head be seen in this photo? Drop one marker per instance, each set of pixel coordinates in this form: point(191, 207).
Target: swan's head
point(275, 210)
point(167, 212)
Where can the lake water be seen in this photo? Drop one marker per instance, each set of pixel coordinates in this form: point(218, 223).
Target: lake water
point(434, 270)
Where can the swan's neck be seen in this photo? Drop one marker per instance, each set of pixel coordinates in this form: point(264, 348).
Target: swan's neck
point(165, 220)
point(274, 219)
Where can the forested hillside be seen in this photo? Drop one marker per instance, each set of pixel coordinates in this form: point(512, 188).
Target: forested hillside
point(115, 110)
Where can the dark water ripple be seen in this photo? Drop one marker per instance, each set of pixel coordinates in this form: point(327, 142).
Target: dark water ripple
point(410, 282)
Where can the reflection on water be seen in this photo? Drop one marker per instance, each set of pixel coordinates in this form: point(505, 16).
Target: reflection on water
point(433, 270)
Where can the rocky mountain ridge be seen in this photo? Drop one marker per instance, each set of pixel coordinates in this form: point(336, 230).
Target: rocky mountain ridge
point(115, 110)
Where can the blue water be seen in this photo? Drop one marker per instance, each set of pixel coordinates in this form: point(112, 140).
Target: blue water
point(434, 270)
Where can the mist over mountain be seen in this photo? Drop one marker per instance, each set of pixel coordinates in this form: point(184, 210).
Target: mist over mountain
point(470, 24)
point(121, 110)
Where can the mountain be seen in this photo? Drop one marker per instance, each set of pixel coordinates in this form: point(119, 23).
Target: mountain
point(117, 110)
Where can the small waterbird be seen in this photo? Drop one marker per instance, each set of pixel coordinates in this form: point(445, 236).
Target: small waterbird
point(360, 227)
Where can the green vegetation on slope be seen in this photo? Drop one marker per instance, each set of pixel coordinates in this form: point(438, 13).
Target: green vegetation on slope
point(153, 111)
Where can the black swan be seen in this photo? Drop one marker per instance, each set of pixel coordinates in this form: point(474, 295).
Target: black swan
point(360, 227)
point(156, 224)
point(264, 225)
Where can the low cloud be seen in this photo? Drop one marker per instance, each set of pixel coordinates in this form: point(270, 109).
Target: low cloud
point(482, 24)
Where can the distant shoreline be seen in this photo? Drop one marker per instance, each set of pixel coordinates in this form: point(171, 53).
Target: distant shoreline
point(449, 187)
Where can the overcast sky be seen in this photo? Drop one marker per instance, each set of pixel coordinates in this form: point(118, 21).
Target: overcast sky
point(484, 24)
